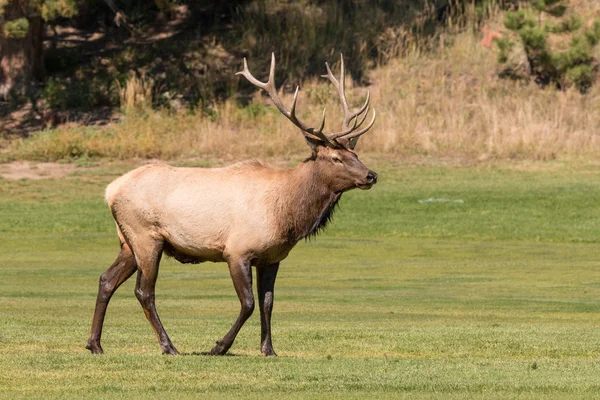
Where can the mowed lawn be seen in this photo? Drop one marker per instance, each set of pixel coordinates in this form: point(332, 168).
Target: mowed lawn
point(440, 282)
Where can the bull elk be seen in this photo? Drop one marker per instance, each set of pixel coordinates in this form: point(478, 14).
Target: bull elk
point(247, 214)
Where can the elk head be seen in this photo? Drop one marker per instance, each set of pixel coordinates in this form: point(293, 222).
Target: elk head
point(333, 153)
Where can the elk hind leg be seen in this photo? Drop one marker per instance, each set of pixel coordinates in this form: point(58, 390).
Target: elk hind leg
point(265, 277)
point(241, 274)
point(123, 267)
point(148, 259)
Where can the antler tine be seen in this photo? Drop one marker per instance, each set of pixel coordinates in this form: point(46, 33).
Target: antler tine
point(246, 73)
point(356, 124)
point(293, 109)
point(271, 90)
point(364, 107)
point(341, 88)
point(271, 82)
point(365, 114)
point(347, 126)
point(353, 136)
point(318, 133)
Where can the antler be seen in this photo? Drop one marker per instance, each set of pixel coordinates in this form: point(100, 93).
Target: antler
point(347, 137)
point(269, 87)
point(348, 132)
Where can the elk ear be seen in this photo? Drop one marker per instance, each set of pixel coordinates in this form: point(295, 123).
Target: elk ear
point(349, 144)
point(352, 142)
point(313, 143)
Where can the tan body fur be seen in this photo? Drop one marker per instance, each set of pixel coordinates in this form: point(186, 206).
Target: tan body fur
point(219, 213)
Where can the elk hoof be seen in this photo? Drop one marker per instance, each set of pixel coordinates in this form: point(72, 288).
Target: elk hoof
point(218, 350)
point(95, 348)
point(170, 350)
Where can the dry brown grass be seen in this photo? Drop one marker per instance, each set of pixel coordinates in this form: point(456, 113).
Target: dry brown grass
point(136, 95)
point(449, 102)
point(454, 104)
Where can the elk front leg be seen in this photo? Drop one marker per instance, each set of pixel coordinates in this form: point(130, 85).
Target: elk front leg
point(144, 291)
point(266, 282)
point(123, 267)
point(241, 274)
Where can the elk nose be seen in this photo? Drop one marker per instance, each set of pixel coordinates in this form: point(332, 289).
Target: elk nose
point(372, 177)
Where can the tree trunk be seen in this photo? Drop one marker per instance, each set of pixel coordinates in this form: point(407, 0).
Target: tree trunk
point(21, 59)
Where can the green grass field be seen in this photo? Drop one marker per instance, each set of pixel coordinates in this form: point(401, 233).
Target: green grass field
point(487, 288)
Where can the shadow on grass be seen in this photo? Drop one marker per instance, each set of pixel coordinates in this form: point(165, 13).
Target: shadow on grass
point(208, 354)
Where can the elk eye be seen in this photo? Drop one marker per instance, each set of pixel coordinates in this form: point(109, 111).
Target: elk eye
point(336, 160)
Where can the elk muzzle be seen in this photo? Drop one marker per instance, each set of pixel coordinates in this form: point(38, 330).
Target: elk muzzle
point(372, 177)
point(370, 180)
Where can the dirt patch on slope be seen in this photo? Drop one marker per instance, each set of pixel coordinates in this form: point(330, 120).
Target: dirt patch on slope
point(28, 170)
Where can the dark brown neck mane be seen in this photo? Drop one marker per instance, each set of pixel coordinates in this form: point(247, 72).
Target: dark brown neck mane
point(307, 203)
point(323, 218)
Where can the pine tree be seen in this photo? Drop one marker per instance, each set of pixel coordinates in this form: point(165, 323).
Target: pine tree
point(574, 66)
point(21, 40)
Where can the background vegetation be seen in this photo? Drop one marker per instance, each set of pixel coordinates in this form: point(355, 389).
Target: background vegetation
point(572, 65)
point(190, 49)
point(162, 84)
